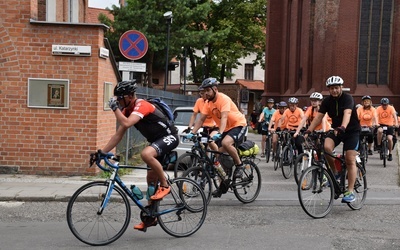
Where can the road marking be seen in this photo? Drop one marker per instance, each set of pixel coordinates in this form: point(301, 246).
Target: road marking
point(11, 204)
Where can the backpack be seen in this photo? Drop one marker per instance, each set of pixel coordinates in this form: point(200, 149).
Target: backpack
point(164, 108)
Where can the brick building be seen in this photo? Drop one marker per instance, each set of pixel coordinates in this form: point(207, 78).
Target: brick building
point(53, 106)
point(308, 41)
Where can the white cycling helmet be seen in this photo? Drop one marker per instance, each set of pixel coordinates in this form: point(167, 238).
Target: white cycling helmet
point(293, 100)
point(334, 80)
point(316, 95)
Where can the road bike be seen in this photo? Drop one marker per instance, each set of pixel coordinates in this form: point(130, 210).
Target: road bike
point(99, 212)
point(246, 188)
point(318, 187)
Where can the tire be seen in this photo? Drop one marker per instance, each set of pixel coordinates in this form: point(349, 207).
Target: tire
point(277, 158)
point(202, 178)
point(91, 226)
point(363, 153)
point(301, 164)
point(184, 162)
point(287, 161)
point(248, 186)
point(184, 209)
point(316, 195)
point(360, 189)
point(384, 151)
point(268, 145)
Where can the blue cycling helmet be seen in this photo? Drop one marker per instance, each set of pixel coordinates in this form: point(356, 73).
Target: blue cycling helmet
point(209, 82)
point(282, 104)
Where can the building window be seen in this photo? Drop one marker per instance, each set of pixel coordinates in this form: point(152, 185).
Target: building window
point(249, 71)
point(374, 41)
point(48, 93)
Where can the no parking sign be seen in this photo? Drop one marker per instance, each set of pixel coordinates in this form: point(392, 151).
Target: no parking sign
point(133, 44)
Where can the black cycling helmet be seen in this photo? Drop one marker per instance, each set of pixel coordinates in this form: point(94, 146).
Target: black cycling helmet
point(366, 97)
point(270, 100)
point(125, 88)
point(384, 101)
point(282, 104)
point(209, 82)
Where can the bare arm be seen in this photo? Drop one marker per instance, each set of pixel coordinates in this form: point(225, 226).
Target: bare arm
point(224, 119)
point(199, 123)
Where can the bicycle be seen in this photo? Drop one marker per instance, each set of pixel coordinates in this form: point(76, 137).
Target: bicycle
point(383, 153)
point(318, 186)
point(246, 188)
point(303, 161)
point(268, 146)
point(289, 155)
point(278, 150)
point(99, 212)
point(365, 132)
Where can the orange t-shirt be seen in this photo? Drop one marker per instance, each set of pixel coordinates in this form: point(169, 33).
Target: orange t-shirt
point(275, 119)
point(366, 115)
point(294, 118)
point(224, 103)
point(209, 122)
point(310, 117)
point(386, 116)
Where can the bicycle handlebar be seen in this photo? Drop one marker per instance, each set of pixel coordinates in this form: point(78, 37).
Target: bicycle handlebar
point(99, 156)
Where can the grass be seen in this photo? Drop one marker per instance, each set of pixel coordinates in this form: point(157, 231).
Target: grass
point(135, 160)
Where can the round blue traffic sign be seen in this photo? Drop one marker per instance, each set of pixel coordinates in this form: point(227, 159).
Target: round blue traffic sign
point(133, 44)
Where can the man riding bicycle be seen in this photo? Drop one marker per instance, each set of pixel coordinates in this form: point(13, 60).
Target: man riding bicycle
point(230, 121)
point(273, 124)
point(368, 118)
point(152, 124)
point(265, 119)
point(341, 108)
point(386, 117)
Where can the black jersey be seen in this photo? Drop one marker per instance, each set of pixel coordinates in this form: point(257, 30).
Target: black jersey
point(335, 108)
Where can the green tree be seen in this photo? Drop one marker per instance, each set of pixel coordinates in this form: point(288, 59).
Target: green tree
point(223, 30)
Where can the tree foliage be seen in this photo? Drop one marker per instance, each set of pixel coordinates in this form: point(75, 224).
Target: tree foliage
point(223, 30)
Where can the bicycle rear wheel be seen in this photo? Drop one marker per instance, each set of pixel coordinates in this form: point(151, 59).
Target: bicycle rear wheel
point(184, 162)
point(247, 187)
point(202, 178)
point(268, 145)
point(183, 211)
point(301, 163)
point(316, 192)
point(91, 226)
point(360, 189)
point(287, 161)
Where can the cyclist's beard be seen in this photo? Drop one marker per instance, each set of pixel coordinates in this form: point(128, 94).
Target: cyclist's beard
point(212, 97)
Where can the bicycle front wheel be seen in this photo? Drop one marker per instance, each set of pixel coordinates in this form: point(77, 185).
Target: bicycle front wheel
point(268, 145)
point(360, 189)
point(277, 158)
point(94, 227)
point(384, 152)
point(183, 211)
point(248, 186)
point(202, 178)
point(287, 161)
point(184, 162)
point(301, 163)
point(316, 192)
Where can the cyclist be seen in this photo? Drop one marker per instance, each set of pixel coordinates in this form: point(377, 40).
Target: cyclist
point(265, 118)
point(311, 112)
point(209, 125)
point(294, 115)
point(386, 117)
point(152, 124)
point(230, 121)
point(341, 108)
point(368, 118)
point(274, 122)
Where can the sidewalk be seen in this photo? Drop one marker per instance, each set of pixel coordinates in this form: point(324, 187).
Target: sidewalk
point(44, 188)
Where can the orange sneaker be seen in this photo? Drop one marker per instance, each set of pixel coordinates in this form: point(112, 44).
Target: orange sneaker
point(142, 227)
point(161, 193)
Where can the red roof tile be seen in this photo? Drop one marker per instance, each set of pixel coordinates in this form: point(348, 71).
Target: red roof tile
point(251, 85)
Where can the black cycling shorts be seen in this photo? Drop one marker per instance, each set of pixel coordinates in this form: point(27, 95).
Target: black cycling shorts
point(350, 141)
point(165, 144)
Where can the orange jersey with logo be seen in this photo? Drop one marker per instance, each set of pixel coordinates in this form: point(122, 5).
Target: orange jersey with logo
point(275, 119)
point(366, 115)
point(311, 115)
point(209, 122)
point(386, 116)
point(293, 118)
point(224, 103)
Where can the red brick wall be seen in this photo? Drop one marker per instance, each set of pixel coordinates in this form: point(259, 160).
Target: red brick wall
point(308, 41)
point(50, 141)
